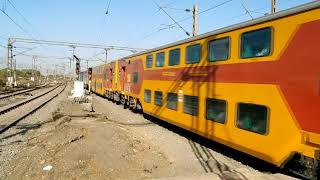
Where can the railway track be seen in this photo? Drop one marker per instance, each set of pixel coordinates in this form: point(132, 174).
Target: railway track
point(13, 113)
point(18, 92)
point(211, 164)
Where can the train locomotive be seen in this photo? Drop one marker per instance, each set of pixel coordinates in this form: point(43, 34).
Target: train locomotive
point(253, 86)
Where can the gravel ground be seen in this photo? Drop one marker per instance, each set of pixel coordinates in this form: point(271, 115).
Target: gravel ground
point(110, 143)
point(13, 141)
point(180, 146)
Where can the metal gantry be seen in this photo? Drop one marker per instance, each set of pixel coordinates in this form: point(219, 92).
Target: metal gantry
point(11, 79)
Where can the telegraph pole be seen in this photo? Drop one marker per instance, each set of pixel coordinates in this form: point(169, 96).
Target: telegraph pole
point(195, 19)
point(273, 6)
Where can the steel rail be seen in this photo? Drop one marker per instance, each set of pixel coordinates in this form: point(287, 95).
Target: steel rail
point(13, 122)
point(9, 107)
point(14, 93)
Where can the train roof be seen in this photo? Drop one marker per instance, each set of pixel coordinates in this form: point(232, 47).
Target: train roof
point(280, 14)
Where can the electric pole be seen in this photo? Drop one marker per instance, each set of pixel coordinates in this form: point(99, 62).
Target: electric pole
point(195, 19)
point(273, 6)
point(106, 55)
point(33, 67)
point(9, 70)
point(14, 71)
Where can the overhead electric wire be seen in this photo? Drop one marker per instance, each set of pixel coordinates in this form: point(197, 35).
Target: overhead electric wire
point(23, 17)
point(25, 51)
point(18, 25)
point(175, 22)
point(246, 9)
point(107, 12)
point(201, 12)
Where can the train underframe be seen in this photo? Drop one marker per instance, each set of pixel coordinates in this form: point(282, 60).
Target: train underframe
point(303, 166)
point(127, 101)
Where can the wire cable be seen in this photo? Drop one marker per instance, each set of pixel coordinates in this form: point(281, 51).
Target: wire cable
point(107, 12)
point(201, 12)
point(18, 25)
point(175, 22)
point(23, 17)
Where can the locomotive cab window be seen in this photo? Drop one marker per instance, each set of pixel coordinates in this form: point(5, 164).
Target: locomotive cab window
point(216, 110)
point(160, 59)
point(172, 101)
point(147, 96)
point(191, 105)
point(193, 54)
point(252, 117)
point(158, 98)
point(219, 49)
point(174, 57)
point(149, 61)
point(256, 43)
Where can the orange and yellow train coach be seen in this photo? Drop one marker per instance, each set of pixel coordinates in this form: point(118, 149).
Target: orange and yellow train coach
point(253, 86)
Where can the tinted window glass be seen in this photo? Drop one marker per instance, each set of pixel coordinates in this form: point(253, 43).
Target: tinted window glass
point(160, 59)
point(193, 54)
point(190, 105)
point(106, 76)
point(252, 117)
point(219, 49)
point(172, 101)
point(256, 43)
point(147, 96)
point(149, 61)
point(216, 110)
point(135, 77)
point(158, 98)
point(174, 57)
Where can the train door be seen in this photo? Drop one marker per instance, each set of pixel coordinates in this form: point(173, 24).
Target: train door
point(123, 77)
point(110, 78)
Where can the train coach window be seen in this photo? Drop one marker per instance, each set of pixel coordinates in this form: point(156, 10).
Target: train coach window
point(172, 101)
point(216, 110)
point(219, 49)
point(190, 105)
point(158, 98)
point(252, 117)
point(193, 54)
point(149, 61)
point(147, 96)
point(174, 57)
point(256, 43)
point(160, 59)
point(135, 77)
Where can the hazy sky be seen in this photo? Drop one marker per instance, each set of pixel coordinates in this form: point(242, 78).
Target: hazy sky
point(134, 23)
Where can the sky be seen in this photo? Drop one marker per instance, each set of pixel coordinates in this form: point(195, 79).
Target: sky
point(129, 23)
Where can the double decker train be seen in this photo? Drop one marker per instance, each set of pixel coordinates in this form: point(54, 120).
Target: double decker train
point(253, 86)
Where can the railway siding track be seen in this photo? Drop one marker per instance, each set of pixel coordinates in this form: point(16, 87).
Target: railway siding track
point(13, 113)
point(4, 96)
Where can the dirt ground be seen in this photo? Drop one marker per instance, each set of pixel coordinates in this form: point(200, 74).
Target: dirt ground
point(64, 141)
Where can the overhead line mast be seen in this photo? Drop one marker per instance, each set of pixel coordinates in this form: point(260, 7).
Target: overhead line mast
point(195, 19)
point(73, 45)
point(273, 6)
point(77, 45)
